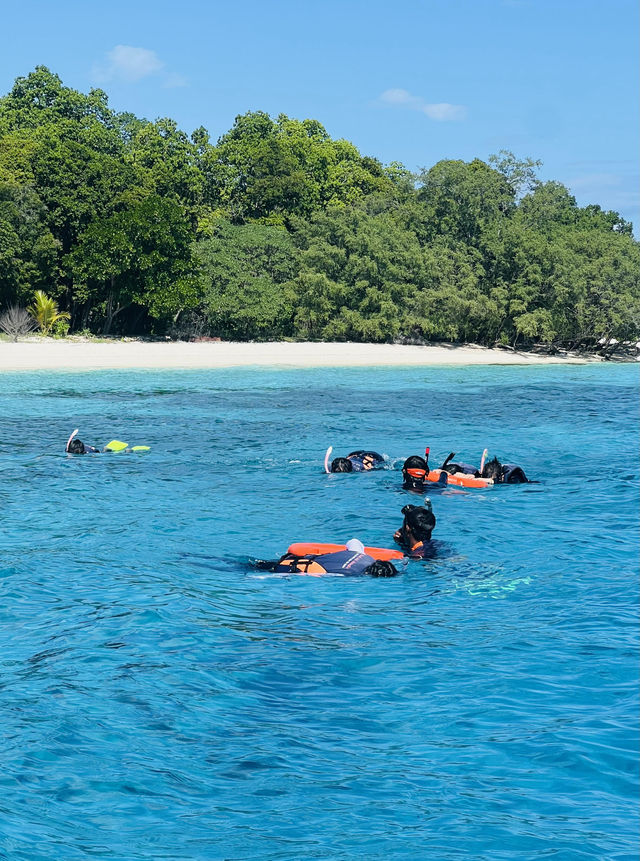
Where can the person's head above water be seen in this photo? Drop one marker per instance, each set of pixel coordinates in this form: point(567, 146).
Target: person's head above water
point(76, 446)
point(493, 470)
point(419, 522)
point(414, 469)
point(381, 568)
point(415, 462)
point(341, 464)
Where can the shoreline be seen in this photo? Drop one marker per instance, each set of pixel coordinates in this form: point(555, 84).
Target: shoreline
point(42, 354)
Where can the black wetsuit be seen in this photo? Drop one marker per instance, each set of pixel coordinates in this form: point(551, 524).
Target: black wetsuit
point(423, 485)
point(416, 550)
point(420, 550)
point(357, 460)
point(466, 468)
point(513, 474)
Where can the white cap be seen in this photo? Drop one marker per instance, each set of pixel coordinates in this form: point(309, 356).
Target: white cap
point(356, 545)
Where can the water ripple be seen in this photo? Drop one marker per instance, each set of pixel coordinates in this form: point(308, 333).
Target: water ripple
point(161, 698)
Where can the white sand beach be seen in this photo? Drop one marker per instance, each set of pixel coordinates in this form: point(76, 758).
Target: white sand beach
point(50, 354)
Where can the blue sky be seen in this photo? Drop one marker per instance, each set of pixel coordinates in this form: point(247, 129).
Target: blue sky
point(414, 82)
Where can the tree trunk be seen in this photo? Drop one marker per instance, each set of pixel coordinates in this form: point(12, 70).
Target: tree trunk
point(110, 312)
point(109, 315)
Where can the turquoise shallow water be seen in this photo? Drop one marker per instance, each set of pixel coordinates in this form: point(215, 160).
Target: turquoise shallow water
point(162, 699)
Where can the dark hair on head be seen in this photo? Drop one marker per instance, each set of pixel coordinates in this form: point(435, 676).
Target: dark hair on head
point(421, 521)
point(341, 464)
point(493, 470)
point(76, 446)
point(381, 568)
point(415, 462)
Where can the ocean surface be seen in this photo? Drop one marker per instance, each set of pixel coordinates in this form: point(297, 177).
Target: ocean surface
point(161, 698)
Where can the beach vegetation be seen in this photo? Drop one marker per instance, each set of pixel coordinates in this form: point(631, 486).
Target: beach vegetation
point(45, 312)
point(16, 322)
point(277, 230)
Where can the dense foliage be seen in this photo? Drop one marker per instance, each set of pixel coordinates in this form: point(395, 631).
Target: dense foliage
point(276, 231)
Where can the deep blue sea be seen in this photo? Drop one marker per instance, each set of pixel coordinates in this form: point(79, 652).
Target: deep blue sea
point(160, 698)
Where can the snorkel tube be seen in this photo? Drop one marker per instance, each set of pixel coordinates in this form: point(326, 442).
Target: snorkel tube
point(449, 458)
point(326, 459)
point(484, 457)
point(66, 448)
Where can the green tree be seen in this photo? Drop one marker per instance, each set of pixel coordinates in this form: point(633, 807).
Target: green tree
point(40, 99)
point(356, 272)
point(519, 173)
point(266, 170)
point(141, 256)
point(297, 234)
point(28, 250)
point(167, 162)
point(462, 200)
point(245, 270)
point(45, 312)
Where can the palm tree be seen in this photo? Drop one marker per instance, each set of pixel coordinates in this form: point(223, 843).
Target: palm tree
point(45, 312)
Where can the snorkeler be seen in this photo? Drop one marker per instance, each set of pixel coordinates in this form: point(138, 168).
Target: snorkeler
point(351, 562)
point(357, 461)
point(76, 446)
point(415, 475)
point(498, 473)
point(414, 536)
point(504, 473)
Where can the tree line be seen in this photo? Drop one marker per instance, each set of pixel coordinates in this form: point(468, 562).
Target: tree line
point(279, 231)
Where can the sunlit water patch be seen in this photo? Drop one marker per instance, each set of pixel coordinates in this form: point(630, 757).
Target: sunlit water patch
point(162, 698)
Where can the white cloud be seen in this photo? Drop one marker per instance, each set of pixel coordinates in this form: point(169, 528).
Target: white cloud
point(128, 64)
point(174, 81)
point(444, 112)
point(440, 111)
point(397, 97)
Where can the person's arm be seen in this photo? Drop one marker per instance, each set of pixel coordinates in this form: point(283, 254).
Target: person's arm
point(266, 564)
point(277, 564)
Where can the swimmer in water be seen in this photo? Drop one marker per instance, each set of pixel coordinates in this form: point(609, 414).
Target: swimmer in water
point(414, 536)
point(76, 446)
point(415, 475)
point(504, 473)
point(499, 473)
point(357, 461)
point(350, 562)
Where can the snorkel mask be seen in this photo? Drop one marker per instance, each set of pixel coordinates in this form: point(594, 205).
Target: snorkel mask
point(420, 474)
